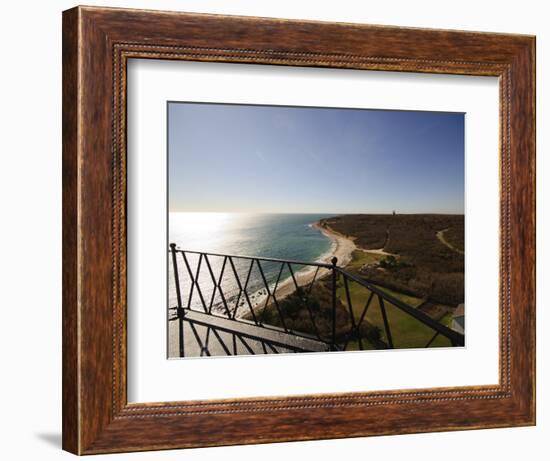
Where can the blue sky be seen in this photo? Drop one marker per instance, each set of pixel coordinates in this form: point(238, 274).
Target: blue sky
point(276, 159)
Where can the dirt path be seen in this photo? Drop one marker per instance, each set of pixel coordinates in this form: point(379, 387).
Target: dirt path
point(447, 244)
point(378, 251)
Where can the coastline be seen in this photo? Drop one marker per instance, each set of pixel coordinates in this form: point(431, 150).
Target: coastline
point(342, 248)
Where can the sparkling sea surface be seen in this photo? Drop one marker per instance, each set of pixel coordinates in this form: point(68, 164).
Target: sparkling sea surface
point(282, 236)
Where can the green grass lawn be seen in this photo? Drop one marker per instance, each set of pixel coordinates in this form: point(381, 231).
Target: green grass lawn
point(360, 258)
point(410, 300)
point(406, 331)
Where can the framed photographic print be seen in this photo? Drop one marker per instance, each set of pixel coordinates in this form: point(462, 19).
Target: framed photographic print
point(284, 230)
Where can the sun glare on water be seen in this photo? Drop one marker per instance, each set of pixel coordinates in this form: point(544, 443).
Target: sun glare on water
point(198, 230)
point(199, 221)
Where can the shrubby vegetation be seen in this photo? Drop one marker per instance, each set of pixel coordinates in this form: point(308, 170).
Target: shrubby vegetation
point(311, 313)
point(423, 265)
point(455, 236)
point(415, 267)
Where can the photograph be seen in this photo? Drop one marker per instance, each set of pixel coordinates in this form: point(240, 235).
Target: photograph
point(278, 224)
point(313, 229)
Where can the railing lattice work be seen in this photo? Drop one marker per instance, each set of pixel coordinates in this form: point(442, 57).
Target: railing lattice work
point(221, 308)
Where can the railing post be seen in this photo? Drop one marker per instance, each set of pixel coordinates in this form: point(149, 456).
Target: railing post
point(334, 260)
point(178, 296)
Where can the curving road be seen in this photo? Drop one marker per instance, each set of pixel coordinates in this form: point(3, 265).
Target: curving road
point(441, 238)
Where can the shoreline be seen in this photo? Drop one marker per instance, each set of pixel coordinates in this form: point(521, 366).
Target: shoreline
point(337, 235)
point(342, 248)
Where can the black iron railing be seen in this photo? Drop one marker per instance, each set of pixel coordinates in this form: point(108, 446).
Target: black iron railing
point(228, 305)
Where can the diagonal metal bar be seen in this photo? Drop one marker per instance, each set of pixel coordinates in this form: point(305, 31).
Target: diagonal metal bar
point(251, 309)
point(213, 281)
point(273, 295)
point(197, 275)
point(313, 281)
point(455, 337)
point(303, 293)
point(293, 277)
point(221, 341)
point(238, 280)
point(220, 287)
point(385, 319)
point(217, 285)
point(432, 339)
point(204, 350)
point(281, 316)
point(194, 280)
point(361, 319)
point(246, 345)
point(242, 290)
point(192, 288)
point(278, 279)
point(364, 313)
point(273, 349)
point(207, 337)
point(305, 301)
point(307, 294)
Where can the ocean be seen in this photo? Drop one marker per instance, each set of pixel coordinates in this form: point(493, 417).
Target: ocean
point(282, 236)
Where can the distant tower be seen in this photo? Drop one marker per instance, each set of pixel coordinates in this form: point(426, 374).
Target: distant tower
point(394, 212)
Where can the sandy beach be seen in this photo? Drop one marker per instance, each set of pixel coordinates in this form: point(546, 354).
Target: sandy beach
point(342, 248)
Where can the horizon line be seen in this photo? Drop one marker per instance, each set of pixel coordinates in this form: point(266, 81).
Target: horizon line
point(323, 212)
